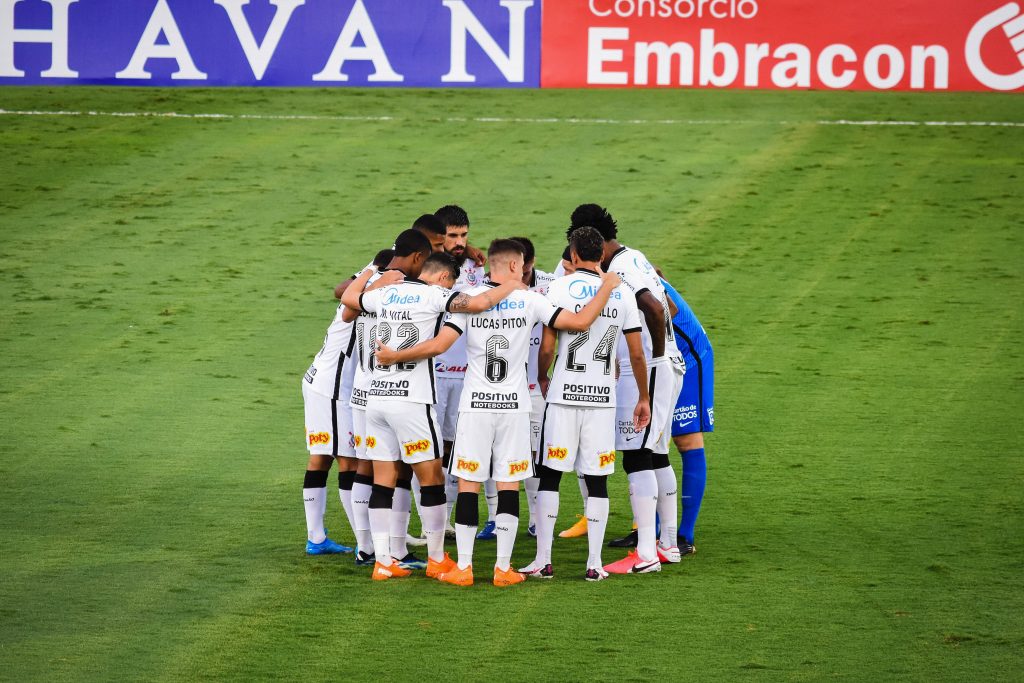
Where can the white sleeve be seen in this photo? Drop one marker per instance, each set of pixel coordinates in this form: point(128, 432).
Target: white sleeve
point(631, 319)
point(543, 310)
point(370, 301)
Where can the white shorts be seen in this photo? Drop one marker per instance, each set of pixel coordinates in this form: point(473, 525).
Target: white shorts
point(536, 418)
point(664, 382)
point(328, 424)
point(580, 439)
point(492, 446)
point(401, 431)
point(449, 392)
point(359, 431)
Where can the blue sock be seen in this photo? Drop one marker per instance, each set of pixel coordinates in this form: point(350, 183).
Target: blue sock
point(695, 474)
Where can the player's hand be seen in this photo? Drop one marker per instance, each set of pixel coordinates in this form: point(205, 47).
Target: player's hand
point(386, 355)
point(390, 277)
point(612, 278)
point(479, 257)
point(543, 383)
point(641, 415)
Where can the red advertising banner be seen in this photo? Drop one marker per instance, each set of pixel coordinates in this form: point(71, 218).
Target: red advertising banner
point(914, 45)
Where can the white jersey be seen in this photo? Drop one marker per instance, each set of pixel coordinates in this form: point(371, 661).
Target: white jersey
point(584, 372)
point(452, 363)
point(498, 344)
point(366, 345)
point(407, 313)
point(327, 374)
point(539, 284)
point(639, 275)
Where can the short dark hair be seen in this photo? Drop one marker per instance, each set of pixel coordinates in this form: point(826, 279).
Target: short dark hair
point(567, 254)
point(452, 215)
point(428, 222)
point(529, 253)
point(383, 257)
point(410, 242)
point(442, 261)
point(596, 217)
point(504, 246)
point(587, 243)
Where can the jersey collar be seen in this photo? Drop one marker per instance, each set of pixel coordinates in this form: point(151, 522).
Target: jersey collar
point(588, 270)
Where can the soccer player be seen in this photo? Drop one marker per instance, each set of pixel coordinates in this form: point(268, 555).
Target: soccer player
point(537, 281)
point(401, 427)
point(645, 452)
point(329, 433)
point(579, 419)
point(493, 432)
point(451, 365)
point(694, 414)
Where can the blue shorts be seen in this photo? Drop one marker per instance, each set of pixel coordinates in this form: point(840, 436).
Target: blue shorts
point(695, 408)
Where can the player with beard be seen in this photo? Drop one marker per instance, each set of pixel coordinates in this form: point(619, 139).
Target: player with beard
point(451, 365)
point(493, 434)
point(401, 427)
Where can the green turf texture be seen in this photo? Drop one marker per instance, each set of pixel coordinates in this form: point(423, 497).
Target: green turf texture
point(165, 283)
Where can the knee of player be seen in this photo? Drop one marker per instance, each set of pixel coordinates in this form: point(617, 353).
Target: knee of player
point(689, 442)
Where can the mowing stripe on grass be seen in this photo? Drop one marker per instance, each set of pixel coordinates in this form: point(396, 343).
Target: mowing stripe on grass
point(501, 119)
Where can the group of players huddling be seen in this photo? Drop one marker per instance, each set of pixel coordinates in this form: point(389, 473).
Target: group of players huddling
point(435, 378)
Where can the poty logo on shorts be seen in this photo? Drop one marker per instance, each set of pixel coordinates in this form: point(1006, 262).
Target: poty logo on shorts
point(556, 453)
point(1009, 19)
point(371, 442)
point(515, 468)
point(416, 447)
point(391, 296)
point(358, 440)
point(319, 438)
point(605, 459)
point(467, 465)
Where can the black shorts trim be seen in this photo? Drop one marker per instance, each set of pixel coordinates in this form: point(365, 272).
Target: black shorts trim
point(433, 433)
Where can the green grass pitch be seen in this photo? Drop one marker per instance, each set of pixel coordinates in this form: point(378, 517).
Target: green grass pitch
point(165, 281)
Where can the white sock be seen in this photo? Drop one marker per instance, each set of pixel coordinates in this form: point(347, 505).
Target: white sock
point(506, 526)
point(583, 489)
point(465, 536)
point(346, 504)
point(416, 497)
point(668, 502)
point(491, 493)
point(531, 485)
point(400, 507)
point(597, 521)
point(361, 516)
point(315, 502)
point(547, 515)
point(643, 496)
point(380, 528)
point(433, 527)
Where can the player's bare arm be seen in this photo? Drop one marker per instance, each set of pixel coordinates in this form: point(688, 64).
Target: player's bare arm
point(350, 297)
point(478, 256)
point(463, 303)
point(545, 357)
point(642, 412)
point(427, 349)
point(654, 316)
point(340, 288)
point(585, 317)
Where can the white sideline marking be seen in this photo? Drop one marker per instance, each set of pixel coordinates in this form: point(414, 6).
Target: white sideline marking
point(498, 119)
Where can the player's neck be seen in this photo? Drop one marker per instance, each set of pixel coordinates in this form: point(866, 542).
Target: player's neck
point(501, 278)
point(399, 264)
point(593, 267)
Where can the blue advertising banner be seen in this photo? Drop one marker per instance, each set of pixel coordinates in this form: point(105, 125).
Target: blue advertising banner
point(441, 43)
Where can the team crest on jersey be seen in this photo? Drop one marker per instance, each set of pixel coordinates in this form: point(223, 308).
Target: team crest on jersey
point(556, 453)
point(467, 465)
point(414, 447)
point(319, 438)
point(515, 468)
point(605, 459)
point(371, 442)
point(472, 277)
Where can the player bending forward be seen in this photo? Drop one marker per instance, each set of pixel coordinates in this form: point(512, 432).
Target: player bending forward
point(401, 427)
point(492, 437)
point(578, 431)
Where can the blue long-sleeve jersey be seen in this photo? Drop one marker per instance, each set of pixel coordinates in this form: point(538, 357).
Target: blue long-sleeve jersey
point(691, 338)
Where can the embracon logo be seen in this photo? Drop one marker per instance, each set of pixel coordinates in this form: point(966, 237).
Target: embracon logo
point(1011, 21)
